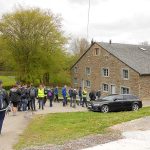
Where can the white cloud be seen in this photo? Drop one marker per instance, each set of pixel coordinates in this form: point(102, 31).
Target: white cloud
point(119, 20)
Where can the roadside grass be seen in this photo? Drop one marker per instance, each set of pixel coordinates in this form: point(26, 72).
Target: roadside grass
point(61, 127)
point(8, 80)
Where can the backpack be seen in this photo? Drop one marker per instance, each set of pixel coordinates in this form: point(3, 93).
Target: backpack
point(3, 103)
point(49, 94)
point(32, 92)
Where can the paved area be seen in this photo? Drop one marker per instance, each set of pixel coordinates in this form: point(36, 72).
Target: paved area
point(136, 135)
point(146, 103)
point(14, 125)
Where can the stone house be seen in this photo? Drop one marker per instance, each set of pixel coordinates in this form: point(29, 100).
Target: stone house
point(114, 68)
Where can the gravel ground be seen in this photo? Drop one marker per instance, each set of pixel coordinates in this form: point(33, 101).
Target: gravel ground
point(82, 143)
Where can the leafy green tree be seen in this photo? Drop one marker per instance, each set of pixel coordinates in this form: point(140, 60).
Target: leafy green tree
point(34, 43)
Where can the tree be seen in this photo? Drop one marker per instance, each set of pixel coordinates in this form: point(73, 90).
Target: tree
point(79, 45)
point(34, 42)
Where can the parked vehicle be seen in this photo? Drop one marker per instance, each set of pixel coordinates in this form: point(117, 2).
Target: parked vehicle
point(116, 103)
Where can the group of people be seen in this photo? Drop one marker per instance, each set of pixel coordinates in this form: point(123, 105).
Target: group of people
point(23, 98)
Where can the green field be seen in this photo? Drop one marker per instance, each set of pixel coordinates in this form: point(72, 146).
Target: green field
point(60, 127)
point(8, 80)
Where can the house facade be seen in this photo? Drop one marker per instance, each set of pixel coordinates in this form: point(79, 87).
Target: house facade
point(114, 69)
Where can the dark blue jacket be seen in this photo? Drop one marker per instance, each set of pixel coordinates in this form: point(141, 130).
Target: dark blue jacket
point(64, 92)
point(56, 91)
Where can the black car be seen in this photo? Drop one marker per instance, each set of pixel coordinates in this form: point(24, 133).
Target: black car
point(116, 103)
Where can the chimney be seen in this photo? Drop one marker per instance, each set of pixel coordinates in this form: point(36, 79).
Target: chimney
point(110, 42)
point(92, 41)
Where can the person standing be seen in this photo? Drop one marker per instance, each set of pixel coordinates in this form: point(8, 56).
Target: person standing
point(15, 96)
point(84, 94)
point(50, 96)
point(98, 94)
point(71, 96)
point(41, 96)
point(80, 96)
point(33, 95)
point(56, 92)
point(92, 95)
point(4, 102)
point(64, 94)
point(74, 97)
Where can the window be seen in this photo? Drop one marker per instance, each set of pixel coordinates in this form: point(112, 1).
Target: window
point(88, 83)
point(88, 71)
point(125, 90)
point(125, 73)
point(105, 87)
point(96, 51)
point(75, 81)
point(105, 72)
point(129, 97)
point(75, 69)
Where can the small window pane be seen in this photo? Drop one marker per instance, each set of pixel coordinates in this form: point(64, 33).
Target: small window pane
point(88, 71)
point(75, 69)
point(125, 90)
point(125, 74)
point(88, 83)
point(75, 81)
point(105, 87)
point(105, 72)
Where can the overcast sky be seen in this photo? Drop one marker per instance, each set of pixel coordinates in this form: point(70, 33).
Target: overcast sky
point(124, 21)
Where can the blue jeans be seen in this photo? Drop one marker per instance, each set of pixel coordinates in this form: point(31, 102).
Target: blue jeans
point(80, 102)
point(2, 116)
point(41, 103)
point(64, 100)
point(24, 104)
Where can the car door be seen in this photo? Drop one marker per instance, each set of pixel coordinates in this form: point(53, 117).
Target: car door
point(127, 102)
point(116, 104)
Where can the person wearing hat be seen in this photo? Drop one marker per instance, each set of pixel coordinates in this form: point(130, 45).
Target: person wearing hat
point(4, 102)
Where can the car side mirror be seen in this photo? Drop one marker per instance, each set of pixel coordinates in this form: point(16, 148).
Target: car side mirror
point(115, 99)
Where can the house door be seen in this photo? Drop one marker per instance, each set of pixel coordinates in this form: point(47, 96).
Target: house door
point(113, 89)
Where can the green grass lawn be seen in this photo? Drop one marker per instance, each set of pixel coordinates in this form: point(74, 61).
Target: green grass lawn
point(8, 80)
point(60, 127)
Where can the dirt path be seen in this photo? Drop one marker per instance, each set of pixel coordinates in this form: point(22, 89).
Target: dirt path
point(15, 125)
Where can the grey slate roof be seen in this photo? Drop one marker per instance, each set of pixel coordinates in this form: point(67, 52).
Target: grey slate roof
point(132, 55)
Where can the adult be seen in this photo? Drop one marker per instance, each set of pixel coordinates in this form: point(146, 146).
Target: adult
point(50, 96)
point(33, 95)
point(84, 95)
point(56, 92)
point(4, 102)
point(24, 97)
point(80, 95)
point(74, 96)
point(15, 96)
point(41, 96)
point(92, 95)
point(71, 96)
point(64, 94)
point(98, 94)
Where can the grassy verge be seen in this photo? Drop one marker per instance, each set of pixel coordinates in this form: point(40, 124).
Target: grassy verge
point(61, 127)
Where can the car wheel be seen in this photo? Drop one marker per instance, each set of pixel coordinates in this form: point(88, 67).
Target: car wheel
point(135, 107)
point(105, 109)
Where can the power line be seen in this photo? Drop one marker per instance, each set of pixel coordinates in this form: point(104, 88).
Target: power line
point(88, 19)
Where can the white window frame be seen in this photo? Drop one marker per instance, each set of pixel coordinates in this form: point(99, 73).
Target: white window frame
point(75, 69)
point(104, 88)
point(121, 92)
point(88, 81)
point(123, 75)
point(103, 72)
point(75, 79)
point(86, 71)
